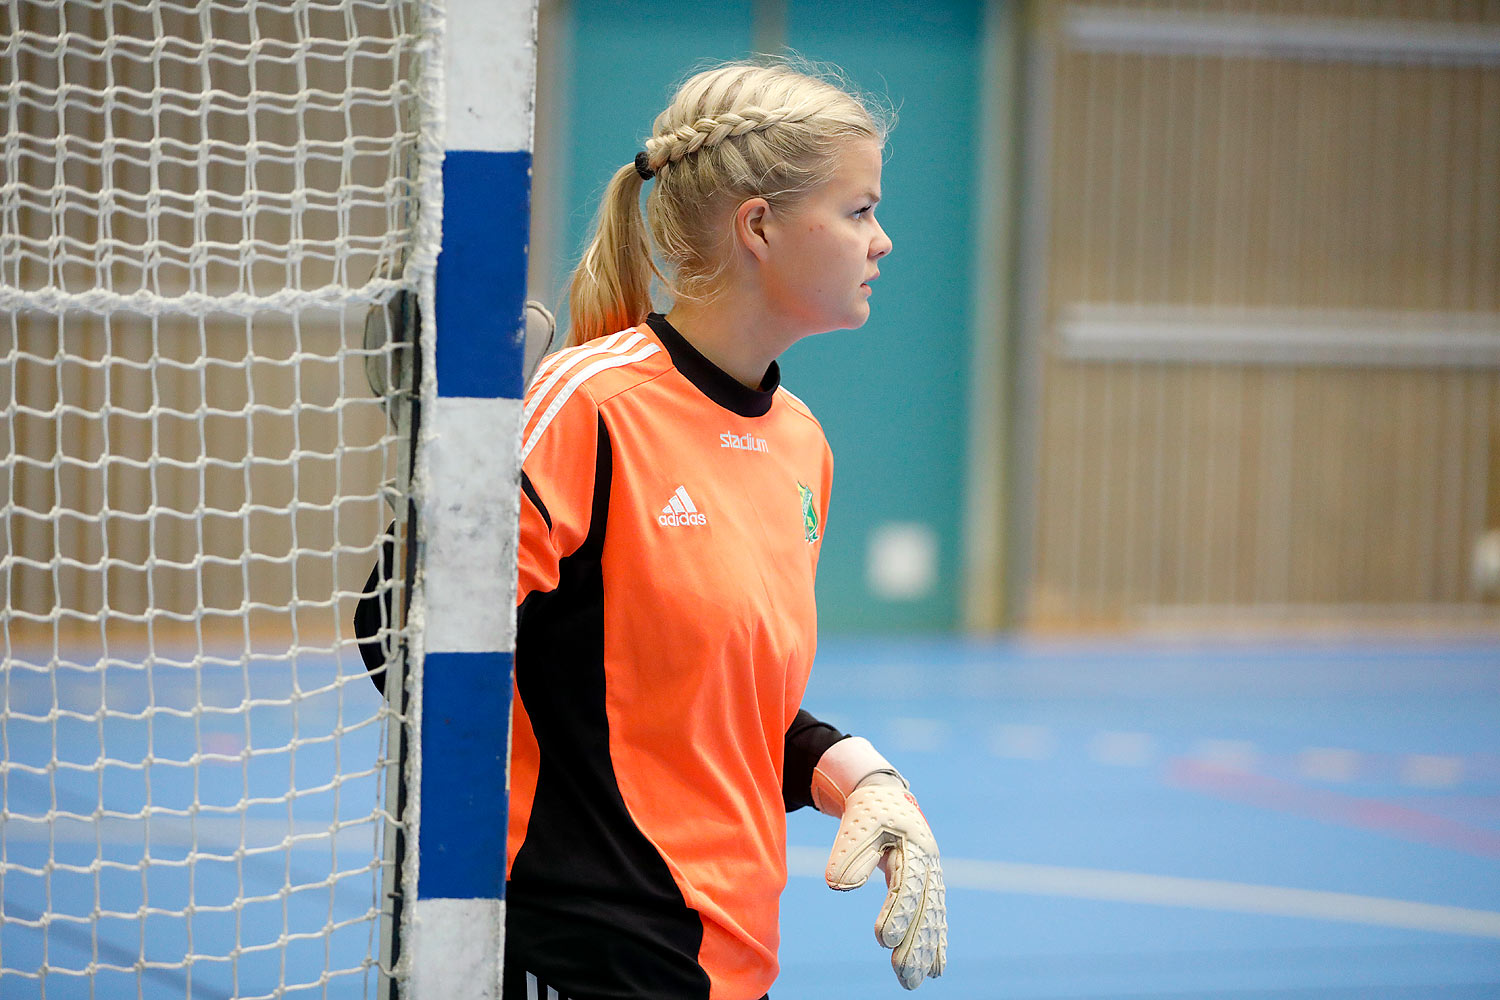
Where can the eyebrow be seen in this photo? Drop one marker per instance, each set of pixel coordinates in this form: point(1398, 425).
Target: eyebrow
point(871, 196)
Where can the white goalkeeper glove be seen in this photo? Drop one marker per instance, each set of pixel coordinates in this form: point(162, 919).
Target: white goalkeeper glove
point(880, 824)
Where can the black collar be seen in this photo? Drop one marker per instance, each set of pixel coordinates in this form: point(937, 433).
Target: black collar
point(711, 380)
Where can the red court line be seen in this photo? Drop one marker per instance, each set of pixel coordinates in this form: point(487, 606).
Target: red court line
point(1483, 810)
point(1333, 807)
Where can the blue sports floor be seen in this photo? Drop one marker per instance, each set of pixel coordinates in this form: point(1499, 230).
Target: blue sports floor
point(1279, 820)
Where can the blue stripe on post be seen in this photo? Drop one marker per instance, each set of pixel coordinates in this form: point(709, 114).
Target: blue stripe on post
point(465, 717)
point(481, 274)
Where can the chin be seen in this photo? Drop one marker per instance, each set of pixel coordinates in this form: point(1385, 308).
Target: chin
point(852, 320)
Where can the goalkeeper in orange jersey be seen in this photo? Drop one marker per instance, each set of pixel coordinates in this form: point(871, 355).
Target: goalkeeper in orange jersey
point(675, 498)
point(675, 501)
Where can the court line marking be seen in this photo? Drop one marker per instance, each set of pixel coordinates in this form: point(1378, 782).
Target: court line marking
point(1330, 806)
point(1192, 893)
point(959, 873)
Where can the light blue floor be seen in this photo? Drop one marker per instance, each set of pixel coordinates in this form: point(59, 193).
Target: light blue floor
point(1367, 770)
point(1365, 774)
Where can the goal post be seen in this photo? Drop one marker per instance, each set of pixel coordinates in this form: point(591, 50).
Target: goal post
point(207, 210)
point(468, 492)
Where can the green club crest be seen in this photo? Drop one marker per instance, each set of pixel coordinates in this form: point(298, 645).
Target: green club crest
point(809, 513)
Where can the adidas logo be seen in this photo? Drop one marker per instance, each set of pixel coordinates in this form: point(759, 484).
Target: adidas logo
point(680, 512)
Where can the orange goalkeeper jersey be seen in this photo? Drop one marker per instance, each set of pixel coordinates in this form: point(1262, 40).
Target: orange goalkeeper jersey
point(669, 540)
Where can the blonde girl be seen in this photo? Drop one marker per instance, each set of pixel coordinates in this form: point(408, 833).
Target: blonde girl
point(675, 498)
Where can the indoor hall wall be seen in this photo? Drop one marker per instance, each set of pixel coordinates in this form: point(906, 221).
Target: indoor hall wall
point(893, 395)
point(1338, 221)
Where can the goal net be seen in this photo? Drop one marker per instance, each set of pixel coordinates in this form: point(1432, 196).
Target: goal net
point(201, 205)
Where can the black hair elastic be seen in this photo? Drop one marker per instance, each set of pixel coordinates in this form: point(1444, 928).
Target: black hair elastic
point(643, 166)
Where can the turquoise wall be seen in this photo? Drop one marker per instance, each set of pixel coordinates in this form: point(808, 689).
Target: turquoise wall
point(893, 395)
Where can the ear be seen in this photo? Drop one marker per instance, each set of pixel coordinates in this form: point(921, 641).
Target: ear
point(750, 221)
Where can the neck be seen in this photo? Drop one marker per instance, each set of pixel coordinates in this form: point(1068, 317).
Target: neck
point(732, 334)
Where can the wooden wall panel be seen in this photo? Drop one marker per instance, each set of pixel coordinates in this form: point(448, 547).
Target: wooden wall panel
point(1166, 485)
point(1246, 183)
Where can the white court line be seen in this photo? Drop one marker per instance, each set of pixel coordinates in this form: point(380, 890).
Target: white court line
point(1192, 893)
point(918, 735)
point(1122, 749)
point(1431, 771)
point(1331, 764)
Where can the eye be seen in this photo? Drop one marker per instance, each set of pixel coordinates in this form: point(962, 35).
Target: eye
point(864, 211)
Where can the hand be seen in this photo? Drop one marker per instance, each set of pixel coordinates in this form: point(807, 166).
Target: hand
point(881, 824)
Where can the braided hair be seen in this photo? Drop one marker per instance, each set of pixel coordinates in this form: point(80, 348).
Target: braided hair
point(742, 130)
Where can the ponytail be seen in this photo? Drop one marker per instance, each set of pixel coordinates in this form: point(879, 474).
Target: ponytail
point(611, 288)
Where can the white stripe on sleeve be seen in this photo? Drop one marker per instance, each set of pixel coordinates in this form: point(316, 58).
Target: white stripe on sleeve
point(610, 345)
point(550, 362)
point(607, 362)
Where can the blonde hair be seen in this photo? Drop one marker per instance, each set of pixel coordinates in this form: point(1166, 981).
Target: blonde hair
point(741, 130)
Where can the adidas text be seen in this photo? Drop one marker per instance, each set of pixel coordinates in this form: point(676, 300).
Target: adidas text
point(743, 442)
point(675, 520)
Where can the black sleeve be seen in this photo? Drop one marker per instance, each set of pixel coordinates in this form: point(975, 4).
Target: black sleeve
point(374, 611)
point(806, 740)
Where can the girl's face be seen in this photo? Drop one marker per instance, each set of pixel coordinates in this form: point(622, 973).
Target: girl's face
point(824, 250)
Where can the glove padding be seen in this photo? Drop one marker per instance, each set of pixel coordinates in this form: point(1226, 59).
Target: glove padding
point(882, 825)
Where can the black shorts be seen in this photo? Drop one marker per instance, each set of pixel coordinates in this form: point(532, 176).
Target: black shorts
point(522, 985)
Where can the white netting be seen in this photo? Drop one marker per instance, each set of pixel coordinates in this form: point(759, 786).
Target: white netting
point(202, 156)
point(199, 205)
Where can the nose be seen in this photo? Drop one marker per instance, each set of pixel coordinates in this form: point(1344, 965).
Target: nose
point(881, 245)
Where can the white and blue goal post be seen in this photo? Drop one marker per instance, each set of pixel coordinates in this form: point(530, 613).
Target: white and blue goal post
point(468, 488)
